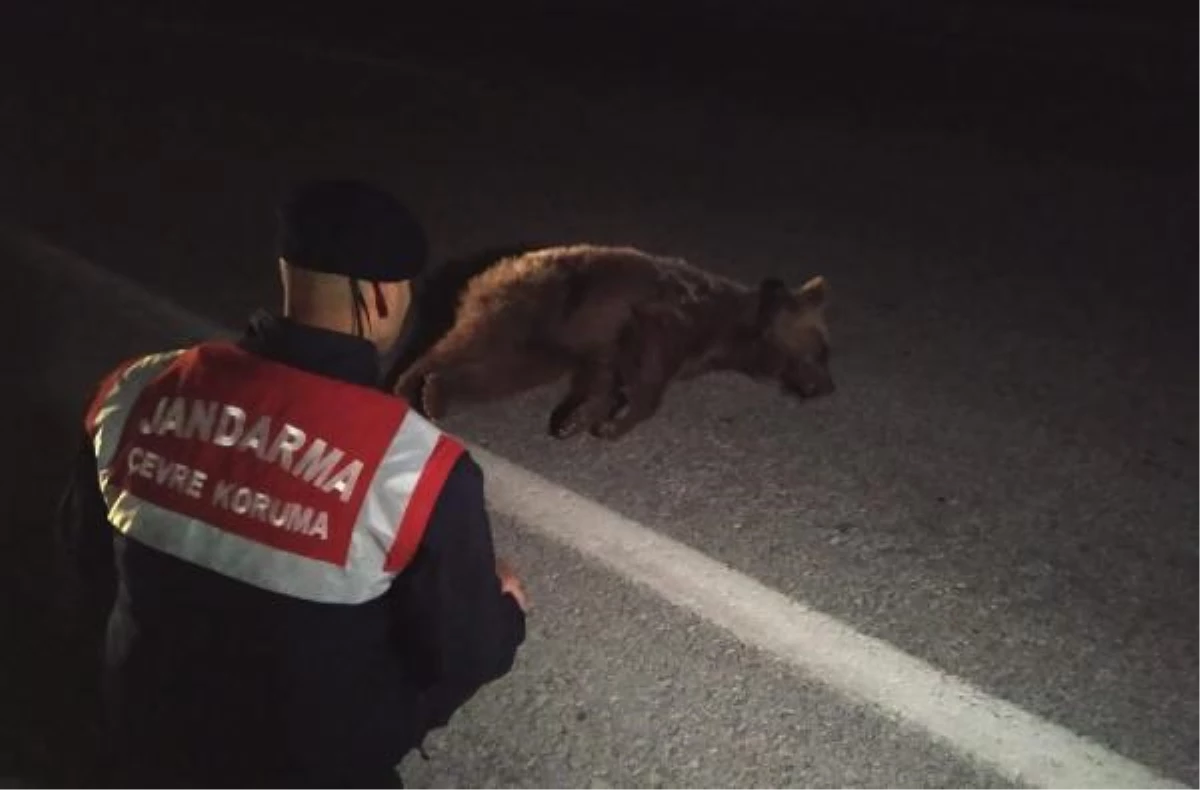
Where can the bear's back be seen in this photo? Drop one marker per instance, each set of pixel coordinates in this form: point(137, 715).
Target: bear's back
point(583, 293)
point(587, 270)
point(574, 295)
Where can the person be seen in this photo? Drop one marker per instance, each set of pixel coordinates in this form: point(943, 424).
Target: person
point(289, 573)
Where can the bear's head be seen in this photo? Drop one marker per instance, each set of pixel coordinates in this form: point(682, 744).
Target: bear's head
point(790, 341)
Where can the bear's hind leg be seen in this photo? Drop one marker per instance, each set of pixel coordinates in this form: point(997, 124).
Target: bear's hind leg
point(591, 398)
point(644, 368)
point(484, 381)
point(626, 414)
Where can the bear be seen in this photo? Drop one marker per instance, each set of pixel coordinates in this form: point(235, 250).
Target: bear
point(619, 323)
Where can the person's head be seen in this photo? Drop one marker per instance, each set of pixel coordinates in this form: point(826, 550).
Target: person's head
point(347, 253)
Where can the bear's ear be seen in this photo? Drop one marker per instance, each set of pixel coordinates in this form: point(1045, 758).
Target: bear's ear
point(773, 296)
point(814, 293)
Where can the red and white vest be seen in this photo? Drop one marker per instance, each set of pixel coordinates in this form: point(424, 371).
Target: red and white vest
point(295, 483)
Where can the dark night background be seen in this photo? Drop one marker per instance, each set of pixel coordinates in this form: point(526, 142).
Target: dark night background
point(1003, 195)
point(1114, 80)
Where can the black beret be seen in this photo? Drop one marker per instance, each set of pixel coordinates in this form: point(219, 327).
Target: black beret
point(353, 229)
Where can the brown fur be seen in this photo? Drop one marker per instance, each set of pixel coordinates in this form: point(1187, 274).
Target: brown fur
point(621, 324)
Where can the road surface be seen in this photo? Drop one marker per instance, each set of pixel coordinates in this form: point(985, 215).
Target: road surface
point(1003, 487)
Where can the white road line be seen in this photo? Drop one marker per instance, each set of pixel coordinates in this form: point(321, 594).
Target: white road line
point(1017, 744)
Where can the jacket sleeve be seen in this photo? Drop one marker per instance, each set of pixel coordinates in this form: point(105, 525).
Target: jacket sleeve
point(455, 627)
point(84, 541)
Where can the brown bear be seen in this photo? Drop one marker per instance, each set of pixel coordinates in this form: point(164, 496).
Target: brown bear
point(622, 324)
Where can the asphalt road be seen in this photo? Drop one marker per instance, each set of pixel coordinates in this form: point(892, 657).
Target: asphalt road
point(614, 687)
point(1003, 485)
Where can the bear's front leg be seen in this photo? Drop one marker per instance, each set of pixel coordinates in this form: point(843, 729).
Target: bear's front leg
point(410, 388)
point(435, 398)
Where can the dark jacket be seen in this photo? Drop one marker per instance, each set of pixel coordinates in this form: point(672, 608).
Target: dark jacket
point(212, 681)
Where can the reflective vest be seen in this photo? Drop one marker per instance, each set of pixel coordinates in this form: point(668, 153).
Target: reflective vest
point(282, 479)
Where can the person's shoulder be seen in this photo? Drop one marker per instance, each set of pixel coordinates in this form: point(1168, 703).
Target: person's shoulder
point(431, 433)
point(459, 501)
point(130, 365)
point(463, 475)
point(125, 372)
point(465, 470)
point(448, 455)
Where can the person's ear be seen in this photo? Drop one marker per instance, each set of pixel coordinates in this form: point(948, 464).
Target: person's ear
point(381, 302)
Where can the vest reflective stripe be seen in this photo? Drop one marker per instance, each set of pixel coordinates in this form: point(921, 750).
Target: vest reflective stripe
point(390, 495)
point(108, 413)
point(445, 454)
point(237, 522)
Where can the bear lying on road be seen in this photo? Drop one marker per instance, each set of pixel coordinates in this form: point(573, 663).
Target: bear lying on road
point(622, 324)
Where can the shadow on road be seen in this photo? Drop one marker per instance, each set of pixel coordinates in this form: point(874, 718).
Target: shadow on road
point(47, 691)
